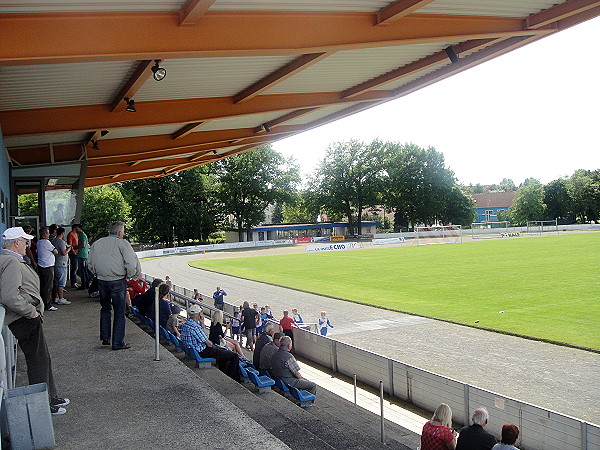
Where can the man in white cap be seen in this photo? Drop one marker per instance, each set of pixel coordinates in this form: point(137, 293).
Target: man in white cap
point(20, 295)
point(193, 335)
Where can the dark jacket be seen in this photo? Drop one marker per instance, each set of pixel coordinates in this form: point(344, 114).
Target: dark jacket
point(474, 437)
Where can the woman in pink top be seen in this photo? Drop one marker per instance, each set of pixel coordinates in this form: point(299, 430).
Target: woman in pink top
point(437, 433)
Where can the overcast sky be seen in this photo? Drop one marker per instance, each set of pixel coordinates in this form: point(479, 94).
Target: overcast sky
point(534, 112)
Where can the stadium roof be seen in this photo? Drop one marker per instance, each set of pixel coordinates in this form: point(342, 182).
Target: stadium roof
point(240, 74)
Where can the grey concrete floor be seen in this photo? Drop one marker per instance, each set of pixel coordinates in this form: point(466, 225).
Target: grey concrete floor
point(559, 378)
point(126, 400)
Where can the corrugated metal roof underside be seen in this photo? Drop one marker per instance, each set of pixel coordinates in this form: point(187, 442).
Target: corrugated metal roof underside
point(510, 8)
point(55, 85)
point(32, 141)
point(505, 8)
point(341, 71)
point(120, 133)
point(247, 121)
point(319, 113)
point(405, 80)
point(209, 77)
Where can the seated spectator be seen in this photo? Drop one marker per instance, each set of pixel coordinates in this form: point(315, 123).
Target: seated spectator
point(193, 335)
point(269, 350)
point(145, 302)
point(296, 316)
point(322, 323)
point(437, 433)
point(263, 339)
point(164, 305)
point(474, 436)
point(217, 335)
point(135, 287)
point(173, 322)
point(510, 433)
point(285, 367)
point(286, 323)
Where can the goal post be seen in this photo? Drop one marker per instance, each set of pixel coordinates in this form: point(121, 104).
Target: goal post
point(489, 230)
point(438, 234)
point(540, 227)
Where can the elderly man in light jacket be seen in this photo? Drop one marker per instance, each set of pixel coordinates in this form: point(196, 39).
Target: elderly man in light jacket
point(20, 295)
point(113, 261)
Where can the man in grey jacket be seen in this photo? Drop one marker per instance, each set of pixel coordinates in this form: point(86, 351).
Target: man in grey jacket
point(113, 261)
point(20, 295)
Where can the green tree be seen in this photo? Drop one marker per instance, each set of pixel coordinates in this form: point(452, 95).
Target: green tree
point(28, 204)
point(584, 191)
point(420, 189)
point(528, 203)
point(507, 185)
point(103, 205)
point(348, 180)
point(557, 200)
point(250, 181)
point(300, 208)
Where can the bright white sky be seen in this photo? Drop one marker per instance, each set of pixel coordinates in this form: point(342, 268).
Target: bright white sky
point(534, 112)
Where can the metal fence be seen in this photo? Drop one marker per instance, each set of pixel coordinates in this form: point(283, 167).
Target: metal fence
point(541, 429)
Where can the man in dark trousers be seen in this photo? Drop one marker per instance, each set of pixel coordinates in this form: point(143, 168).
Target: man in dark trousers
point(474, 437)
point(20, 295)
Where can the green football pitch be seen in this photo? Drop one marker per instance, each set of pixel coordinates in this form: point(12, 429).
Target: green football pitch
point(545, 287)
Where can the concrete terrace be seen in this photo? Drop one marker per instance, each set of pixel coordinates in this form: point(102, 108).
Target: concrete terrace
point(126, 400)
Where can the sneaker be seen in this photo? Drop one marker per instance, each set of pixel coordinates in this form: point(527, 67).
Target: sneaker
point(58, 401)
point(62, 301)
point(75, 285)
point(52, 308)
point(57, 410)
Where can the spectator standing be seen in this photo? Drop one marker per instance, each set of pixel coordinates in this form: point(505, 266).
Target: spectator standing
point(322, 323)
point(113, 261)
point(193, 335)
point(20, 295)
point(52, 229)
point(73, 241)
point(269, 350)
point(474, 437)
point(510, 433)
point(286, 323)
point(30, 256)
point(249, 321)
point(83, 248)
point(285, 367)
point(235, 326)
point(218, 298)
point(437, 433)
point(46, 254)
point(296, 316)
point(61, 267)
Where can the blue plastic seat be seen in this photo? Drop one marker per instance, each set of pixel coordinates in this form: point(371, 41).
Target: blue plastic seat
point(175, 340)
point(280, 384)
point(164, 333)
point(244, 373)
point(201, 363)
point(263, 383)
point(304, 398)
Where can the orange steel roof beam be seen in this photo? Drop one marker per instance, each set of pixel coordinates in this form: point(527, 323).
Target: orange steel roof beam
point(136, 81)
point(54, 38)
point(99, 181)
point(81, 119)
point(560, 12)
point(397, 10)
point(285, 118)
point(282, 74)
point(189, 128)
point(193, 10)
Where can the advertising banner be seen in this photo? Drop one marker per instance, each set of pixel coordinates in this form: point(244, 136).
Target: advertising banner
point(320, 239)
point(301, 240)
point(332, 247)
point(337, 238)
point(396, 240)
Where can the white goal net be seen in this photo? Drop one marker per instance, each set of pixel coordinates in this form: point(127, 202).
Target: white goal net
point(438, 234)
point(542, 226)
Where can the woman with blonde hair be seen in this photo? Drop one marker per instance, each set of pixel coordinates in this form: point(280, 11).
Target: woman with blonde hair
point(437, 433)
point(217, 336)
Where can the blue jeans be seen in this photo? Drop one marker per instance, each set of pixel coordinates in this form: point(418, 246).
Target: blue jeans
point(83, 272)
point(112, 297)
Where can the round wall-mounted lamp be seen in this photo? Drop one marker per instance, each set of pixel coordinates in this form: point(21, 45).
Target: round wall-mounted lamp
point(159, 72)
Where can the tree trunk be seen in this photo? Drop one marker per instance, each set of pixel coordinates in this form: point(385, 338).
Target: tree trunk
point(359, 223)
point(350, 222)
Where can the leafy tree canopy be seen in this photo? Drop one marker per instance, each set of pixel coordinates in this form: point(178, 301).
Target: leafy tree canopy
point(103, 205)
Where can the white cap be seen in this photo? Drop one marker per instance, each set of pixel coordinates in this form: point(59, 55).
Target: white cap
point(194, 309)
point(15, 233)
